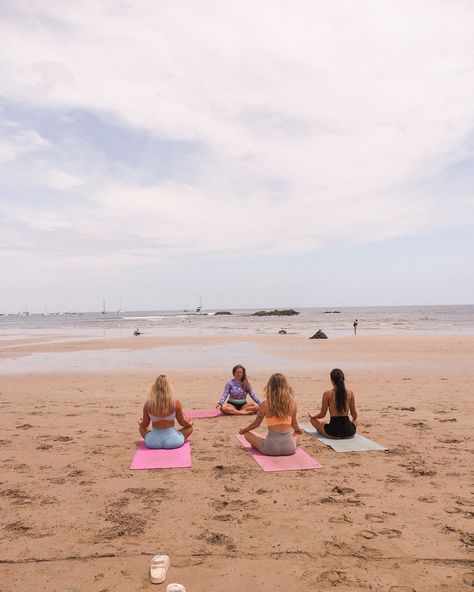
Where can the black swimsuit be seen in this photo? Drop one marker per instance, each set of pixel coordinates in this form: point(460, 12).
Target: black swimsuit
point(340, 426)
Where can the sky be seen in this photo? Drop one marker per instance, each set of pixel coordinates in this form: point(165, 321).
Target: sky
point(259, 154)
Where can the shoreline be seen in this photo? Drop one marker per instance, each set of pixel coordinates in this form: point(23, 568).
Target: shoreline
point(210, 353)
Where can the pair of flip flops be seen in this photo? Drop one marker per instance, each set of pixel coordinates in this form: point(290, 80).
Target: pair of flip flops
point(158, 570)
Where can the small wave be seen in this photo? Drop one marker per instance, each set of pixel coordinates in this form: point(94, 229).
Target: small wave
point(142, 318)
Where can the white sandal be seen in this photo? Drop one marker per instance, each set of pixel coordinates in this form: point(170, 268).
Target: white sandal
point(158, 568)
point(175, 588)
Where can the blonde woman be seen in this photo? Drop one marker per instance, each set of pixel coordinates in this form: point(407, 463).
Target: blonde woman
point(160, 410)
point(279, 409)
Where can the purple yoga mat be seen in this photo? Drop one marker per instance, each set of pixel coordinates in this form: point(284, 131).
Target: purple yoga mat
point(203, 413)
point(295, 462)
point(150, 458)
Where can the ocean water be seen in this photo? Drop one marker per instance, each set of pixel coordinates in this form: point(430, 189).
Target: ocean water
point(372, 320)
point(421, 320)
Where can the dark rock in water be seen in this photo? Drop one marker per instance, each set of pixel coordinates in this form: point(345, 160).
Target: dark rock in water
point(222, 312)
point(286, 312)
point(282, 332)
point(319, 335)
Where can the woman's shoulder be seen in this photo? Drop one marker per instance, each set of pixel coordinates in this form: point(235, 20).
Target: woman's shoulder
point(328, 393)
point(177, 404)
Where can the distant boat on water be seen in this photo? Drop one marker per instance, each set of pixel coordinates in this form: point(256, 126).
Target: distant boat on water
point(199, 307)
point(104, 311)
point(25, 312)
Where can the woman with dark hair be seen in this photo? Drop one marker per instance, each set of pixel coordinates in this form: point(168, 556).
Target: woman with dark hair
point(340, 401)
point(234, 398)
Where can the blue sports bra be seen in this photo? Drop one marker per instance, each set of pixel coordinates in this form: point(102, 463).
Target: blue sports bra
point(170, 417)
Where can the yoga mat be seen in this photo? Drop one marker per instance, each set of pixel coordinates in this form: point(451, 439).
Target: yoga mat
point(150, 458)
point(356, 444)
point(203, 413)
point(295, 462)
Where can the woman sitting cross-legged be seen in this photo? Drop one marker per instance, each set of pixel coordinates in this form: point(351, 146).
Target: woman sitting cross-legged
point(234, 398)
point(340, 401)
point(279, 409)
point(160, 410)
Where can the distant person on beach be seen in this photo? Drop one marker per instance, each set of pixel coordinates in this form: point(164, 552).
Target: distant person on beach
point(279, 410)
point(340, 401)
point(137, 331)
point(160, 410)
point(234, 398)
point(356, 322)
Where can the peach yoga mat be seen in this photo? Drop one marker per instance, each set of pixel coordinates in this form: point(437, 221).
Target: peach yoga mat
point(294, 462)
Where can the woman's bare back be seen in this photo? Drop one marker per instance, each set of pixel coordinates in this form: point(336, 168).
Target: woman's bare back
point(331, 399)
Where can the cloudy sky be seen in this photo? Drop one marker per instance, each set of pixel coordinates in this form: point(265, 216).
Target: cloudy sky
point(269, 153)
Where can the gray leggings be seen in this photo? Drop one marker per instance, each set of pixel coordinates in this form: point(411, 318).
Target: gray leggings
point(278, 444)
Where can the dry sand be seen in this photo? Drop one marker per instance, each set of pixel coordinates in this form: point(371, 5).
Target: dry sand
point(75, 518)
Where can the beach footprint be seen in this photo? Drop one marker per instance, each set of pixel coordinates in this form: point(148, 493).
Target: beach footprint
point(468, 579)
point(391, 533)
point(375, 518)
point(367, 534)
point(333, 577)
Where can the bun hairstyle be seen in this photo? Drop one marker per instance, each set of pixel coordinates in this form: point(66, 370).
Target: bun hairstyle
point(244, 382)
point(337, 378)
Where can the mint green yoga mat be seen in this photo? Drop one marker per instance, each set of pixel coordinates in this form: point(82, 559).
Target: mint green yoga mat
point(356, 444)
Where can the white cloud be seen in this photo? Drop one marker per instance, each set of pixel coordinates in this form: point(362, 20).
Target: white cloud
point(346, 107)
point(15, 142)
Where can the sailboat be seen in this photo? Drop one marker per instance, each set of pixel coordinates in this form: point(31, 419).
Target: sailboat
point(25, 312)
point(199, 307)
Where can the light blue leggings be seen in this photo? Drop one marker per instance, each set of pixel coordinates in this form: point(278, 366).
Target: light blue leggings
point(164, 438)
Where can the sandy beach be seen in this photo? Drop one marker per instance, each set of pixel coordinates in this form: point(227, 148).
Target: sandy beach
point(75, 518)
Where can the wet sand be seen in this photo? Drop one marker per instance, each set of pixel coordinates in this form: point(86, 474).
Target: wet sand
point(76, 518)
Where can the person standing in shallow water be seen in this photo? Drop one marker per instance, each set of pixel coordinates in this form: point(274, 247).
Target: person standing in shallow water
point(340, 401)
point(234, 398)
point(356, 322)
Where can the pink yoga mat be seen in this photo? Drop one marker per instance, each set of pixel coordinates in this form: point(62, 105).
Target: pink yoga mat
point(149, 458)
point(203, 413)
point(295, 462)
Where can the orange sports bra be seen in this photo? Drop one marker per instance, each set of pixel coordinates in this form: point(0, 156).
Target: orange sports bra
point(274, 420)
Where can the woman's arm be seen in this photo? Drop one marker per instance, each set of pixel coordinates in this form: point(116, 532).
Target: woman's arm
point(225, 394)
point(352, 408)
point(256, 422)
point(185, 423)
point(254, 396)
point(294, 421)
point(324, 408)
point(144, 422)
